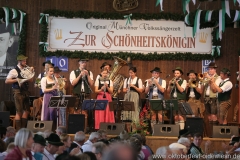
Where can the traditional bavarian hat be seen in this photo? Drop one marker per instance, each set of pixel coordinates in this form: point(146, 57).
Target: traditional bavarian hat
point(21, 57)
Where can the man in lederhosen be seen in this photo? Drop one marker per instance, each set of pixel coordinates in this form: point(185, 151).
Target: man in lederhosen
point(155, 87)
point(224, 90)
point(177, 90)
point(81, 80)
point(210, 95)
point(194, 91)
point(20, 92)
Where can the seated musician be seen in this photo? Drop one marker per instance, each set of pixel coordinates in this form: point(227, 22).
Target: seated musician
point(155, 87)
point(194, 90)
point(176, 89)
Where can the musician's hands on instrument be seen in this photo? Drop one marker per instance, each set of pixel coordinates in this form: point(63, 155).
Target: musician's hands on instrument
point(55, 86)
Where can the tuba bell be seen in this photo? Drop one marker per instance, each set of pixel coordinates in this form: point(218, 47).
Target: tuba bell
point(27, 73)
point(117, 79)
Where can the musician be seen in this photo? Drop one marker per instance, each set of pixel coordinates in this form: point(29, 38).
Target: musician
point(132, 87)
point(176, 89)
point(50, 87)
point(155, 87)
point(105, 66)
point(224, 90)
point(81, 80)
point(194, 90)
point(210, 94)
point(43, 74)
point(20, 93)
point(62, 91)
point(104, 89)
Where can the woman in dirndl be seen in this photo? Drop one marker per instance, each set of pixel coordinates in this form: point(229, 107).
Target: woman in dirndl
point(132, 87)
point(49, 85)
point(104, 89)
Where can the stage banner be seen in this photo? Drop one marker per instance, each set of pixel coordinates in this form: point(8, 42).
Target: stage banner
point(118, 35)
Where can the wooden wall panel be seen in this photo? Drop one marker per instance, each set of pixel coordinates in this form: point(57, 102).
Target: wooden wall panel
point(229, 49)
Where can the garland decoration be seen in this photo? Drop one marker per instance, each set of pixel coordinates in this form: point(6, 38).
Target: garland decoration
point(11, 15)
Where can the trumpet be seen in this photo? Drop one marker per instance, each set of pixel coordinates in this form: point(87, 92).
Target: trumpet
point(193, 83)
point(202, 79)
point(172, 84)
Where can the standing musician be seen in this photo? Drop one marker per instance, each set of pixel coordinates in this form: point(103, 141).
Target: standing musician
point(224, 90)
point(50, 87)
point(104, 89)
point(210, 95)
point(81, 80)
point(176, 89)
point(43, 74)
point(105, 66)
point(155, 87)
point(194, 90)
point(132, 87)
point(20, 92)
point(62, 91)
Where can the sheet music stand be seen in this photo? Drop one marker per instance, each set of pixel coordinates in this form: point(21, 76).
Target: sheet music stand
point(185, 108)
point(94, 104)
point(161, 105)
point(61, 102)
point(127, 106)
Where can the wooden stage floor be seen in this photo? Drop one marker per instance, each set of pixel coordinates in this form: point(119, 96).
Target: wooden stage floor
point(156, 141)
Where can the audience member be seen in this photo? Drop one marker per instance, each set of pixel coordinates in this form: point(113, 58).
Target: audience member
point(60, 130)
point(145, 147)
point(10, 147)
point(102, 134)
point(87, 146)
point(98, 149)
point(47, 133)
point(185, 133)
point(120, 151)
point(195, 151)
point(9, 133)
point(23, 143)
point(66, 139)
point(10, 140)
point(53, 143)
point(79, 140)
point(124, 135)
point(137, 146)
point(91, 155)
point(2, 146)
point(38, 146)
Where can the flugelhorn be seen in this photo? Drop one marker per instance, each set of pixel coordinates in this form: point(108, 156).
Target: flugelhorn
point(193, 83)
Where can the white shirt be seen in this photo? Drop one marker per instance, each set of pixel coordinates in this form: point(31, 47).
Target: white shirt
point(73, 76)
point(226, 86)
point(13, 73)
point(78, 146)
point(39, 76)
point(192, 94)
point(44, 81)
point(102, 82)
point(155, 89)
point(133, 81)
point(47, 155)
point(217, 82)
point(87, 146)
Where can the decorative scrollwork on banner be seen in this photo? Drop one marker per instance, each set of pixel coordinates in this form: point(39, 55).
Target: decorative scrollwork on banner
point(124, 5)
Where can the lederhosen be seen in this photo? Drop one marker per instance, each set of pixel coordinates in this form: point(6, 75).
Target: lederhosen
point(197, 105)
point(210, 101)
point(224, 102)
point(159, 96)
point(21, 94)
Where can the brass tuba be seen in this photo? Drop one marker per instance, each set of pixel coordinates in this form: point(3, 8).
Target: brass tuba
point(27, 73)
point(117, 79)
